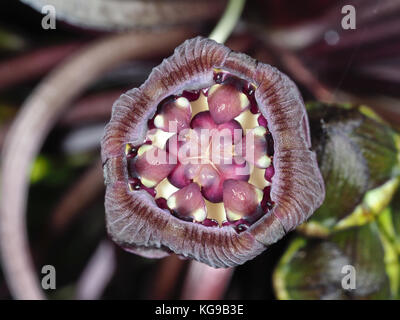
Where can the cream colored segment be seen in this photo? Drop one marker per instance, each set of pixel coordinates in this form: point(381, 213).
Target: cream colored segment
point(171, 202)
point(165, 189)
point(212, 89)
point(233, 216)
point(199, 214)
point(159, 137)
point(260, 131)
point(143, 149)
point(257, 177)
point(147, 182)
point(264, 161)
point(159, 121)
point(247, 120)
point(128, 148)
point(216, 211)
point(199, 105)
point(182, 102)
point(259, 195)
point(244, 101)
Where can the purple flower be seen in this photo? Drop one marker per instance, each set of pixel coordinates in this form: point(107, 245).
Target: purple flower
point(210, 158)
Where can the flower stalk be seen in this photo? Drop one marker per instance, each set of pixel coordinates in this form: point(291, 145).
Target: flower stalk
point(228, 21)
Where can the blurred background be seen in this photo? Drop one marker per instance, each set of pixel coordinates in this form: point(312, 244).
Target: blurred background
point(349, 79)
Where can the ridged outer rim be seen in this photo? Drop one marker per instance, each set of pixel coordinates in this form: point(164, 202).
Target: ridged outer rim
point(138, 225)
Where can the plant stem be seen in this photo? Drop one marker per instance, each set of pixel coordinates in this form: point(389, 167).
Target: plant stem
point(38, 115)
point(83, 191)
point(34, 64)
point(97, 273)
point(228, 21)
point(166, 278)
point(205, 283)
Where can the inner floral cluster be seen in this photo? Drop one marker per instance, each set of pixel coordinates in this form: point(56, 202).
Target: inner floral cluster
point(208, 155)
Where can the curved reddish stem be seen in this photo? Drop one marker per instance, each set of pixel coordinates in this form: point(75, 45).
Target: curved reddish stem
point(93, 107)
point(98, 272)
point(31, 126)
point(33, 64)
point(82, 192)
point(166, 278)
point(205, 283)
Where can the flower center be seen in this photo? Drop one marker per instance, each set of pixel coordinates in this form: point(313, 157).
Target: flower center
point(208, 156)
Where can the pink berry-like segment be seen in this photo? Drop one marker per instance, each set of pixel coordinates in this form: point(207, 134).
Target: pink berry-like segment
point(174, 115)
point(152, 165)
point(188, 203)
point(226, 102)
point(241, 199)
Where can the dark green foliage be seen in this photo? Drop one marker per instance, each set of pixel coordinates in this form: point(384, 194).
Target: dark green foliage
point(355, 153)
point(314, 270)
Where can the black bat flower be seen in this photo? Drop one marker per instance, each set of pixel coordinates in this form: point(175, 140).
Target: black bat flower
point(210, 158)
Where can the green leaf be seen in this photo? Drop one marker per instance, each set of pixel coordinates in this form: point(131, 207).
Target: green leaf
point(313, 268)
point(356, 152)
